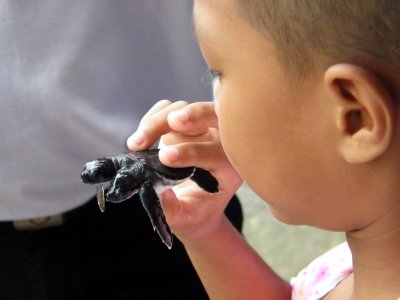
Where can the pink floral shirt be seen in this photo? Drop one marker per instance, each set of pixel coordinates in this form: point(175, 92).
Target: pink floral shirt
point(323, 274)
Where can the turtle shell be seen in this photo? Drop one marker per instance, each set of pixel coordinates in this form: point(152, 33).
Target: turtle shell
point(150, 158)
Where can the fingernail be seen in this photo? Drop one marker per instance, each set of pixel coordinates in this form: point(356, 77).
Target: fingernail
point(136, 139)
point(181, 115)
point(170, 153)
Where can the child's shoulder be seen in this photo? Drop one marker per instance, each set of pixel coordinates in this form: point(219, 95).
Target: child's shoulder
point(323, 274)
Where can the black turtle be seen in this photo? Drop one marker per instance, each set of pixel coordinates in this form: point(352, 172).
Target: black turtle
point(142, 172)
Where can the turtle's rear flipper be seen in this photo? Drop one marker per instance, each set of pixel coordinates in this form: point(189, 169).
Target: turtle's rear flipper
point(152, 205)
point(205, 180)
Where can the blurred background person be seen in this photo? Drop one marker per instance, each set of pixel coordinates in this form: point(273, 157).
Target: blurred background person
point(76, 78)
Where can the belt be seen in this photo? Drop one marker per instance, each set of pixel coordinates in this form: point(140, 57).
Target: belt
point(51, 220)
point(39, 223)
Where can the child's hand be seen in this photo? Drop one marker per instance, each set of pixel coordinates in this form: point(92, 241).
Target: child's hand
point(189, 137)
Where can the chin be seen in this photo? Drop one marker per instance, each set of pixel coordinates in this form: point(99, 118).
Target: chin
point(286, 218)
point(326, 224)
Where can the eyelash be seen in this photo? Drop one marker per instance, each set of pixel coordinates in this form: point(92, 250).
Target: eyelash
point(210, 77)
point(214, 74)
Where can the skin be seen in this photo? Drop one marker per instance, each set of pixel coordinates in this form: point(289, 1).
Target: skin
point(328, 147)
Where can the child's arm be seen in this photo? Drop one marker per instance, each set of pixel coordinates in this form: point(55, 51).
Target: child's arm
point(228, 266)
point(230, 269)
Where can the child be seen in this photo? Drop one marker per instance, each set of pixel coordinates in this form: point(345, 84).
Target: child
point(306, 112)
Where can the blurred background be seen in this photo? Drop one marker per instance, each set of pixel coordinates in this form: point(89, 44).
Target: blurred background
point(287, 249)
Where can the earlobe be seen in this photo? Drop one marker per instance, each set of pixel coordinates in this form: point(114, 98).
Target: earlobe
point(364, 112)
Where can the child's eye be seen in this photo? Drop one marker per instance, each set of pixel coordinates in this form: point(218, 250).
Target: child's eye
point(210, 77)
point(214, 74)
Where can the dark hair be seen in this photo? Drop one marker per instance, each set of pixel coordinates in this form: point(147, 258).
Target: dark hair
point(310, 32)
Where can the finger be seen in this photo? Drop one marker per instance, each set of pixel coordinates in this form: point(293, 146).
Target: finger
point(170, 205)
point(179, 209)
point(153, 126)
point(176, 138)
point(206, 155)
point(156, 108)
point(194, 118)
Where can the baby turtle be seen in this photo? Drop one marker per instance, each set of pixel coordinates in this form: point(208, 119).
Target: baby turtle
point(142, 172)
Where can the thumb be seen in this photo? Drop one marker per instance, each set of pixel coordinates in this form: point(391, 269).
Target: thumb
point(170, 205)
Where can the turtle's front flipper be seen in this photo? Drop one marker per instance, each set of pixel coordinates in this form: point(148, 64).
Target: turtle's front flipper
point(205, 180)
point(152, 205)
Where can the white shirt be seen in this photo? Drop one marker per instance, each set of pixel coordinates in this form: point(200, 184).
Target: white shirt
point(76, 77)
point(323, 274)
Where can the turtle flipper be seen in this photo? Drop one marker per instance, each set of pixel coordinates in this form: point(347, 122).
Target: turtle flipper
point(126, 182)
point(205, 180)
point(152, 205)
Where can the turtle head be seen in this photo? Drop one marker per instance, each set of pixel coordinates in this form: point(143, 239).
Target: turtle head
point(98, 171)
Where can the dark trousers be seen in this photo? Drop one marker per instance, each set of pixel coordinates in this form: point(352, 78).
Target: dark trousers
point(115, 255)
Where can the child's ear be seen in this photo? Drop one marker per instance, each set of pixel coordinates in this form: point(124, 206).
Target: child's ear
point(365, 112)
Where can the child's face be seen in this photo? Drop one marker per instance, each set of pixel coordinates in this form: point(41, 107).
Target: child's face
point(271, 129)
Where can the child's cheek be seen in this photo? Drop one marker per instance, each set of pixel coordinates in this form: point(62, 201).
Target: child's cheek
point(216, 87)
